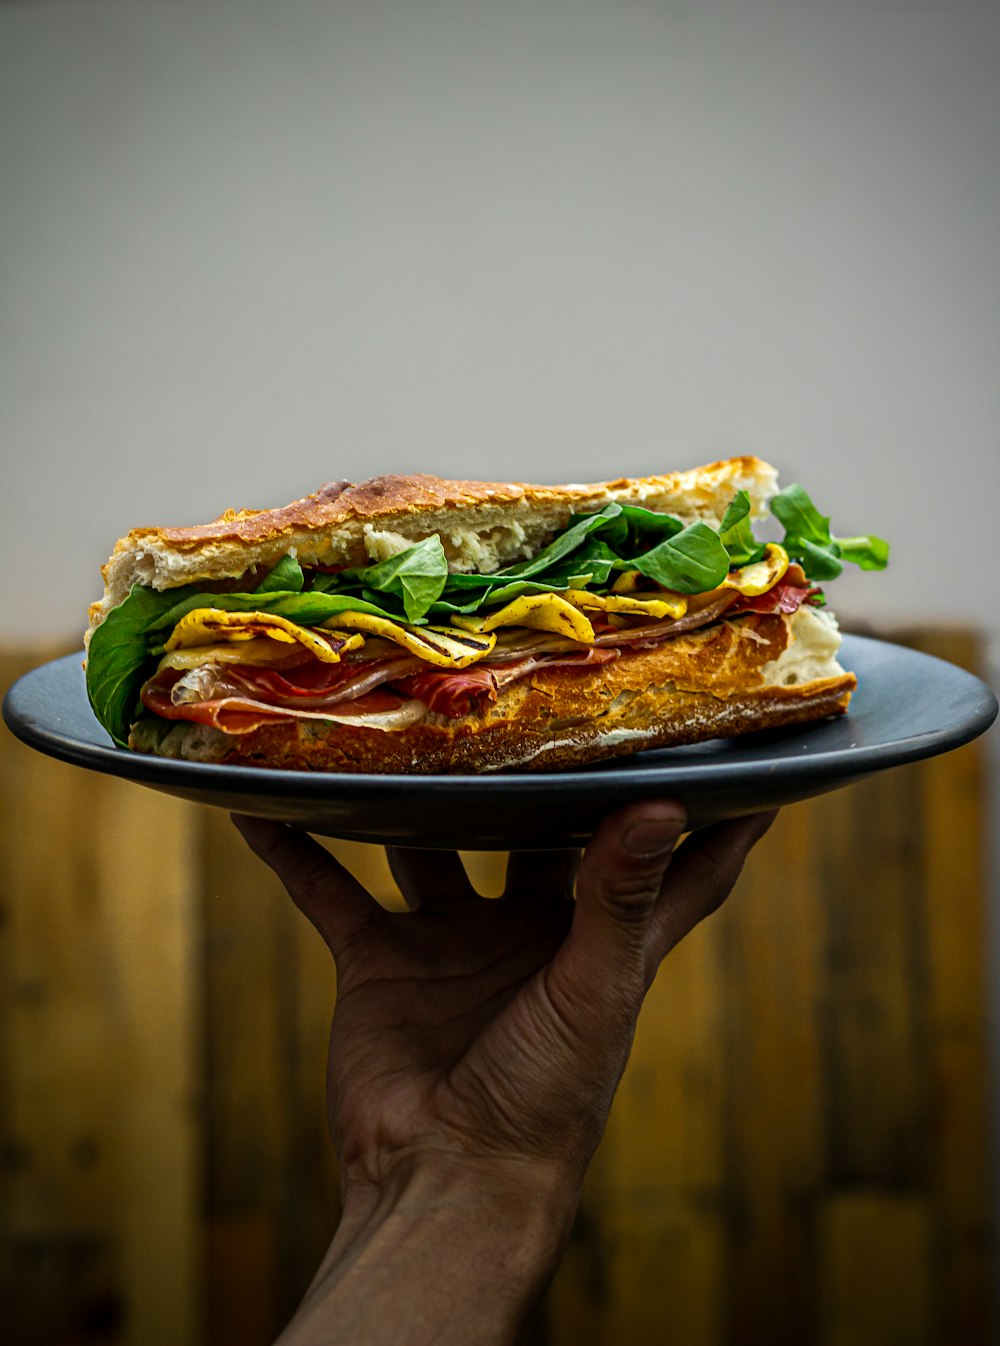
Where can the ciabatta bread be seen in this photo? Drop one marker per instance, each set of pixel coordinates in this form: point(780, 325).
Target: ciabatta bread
point(754, 672)
point(483, 526)
point(735, 673)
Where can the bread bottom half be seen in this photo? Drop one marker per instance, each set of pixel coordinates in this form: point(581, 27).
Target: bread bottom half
point(753, 672)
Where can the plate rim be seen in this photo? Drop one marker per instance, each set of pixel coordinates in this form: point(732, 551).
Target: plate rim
point(833, 763)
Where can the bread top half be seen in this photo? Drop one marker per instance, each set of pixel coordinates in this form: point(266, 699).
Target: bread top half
point(483, 526)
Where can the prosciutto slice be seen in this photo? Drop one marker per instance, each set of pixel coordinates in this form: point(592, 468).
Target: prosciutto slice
point(457, 692)
point(452, 692)
point(311, 687)
point(784, 597)
point(244, 714)
point(376, 689)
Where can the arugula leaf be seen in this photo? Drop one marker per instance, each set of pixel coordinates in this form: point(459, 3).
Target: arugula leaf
point(286, 576)
point(448, 604)
point(417, 576)
point(808, 538)
point(736, 534)
point(503, 593)
point(819, 563)
point(305, 609)
point(118, 659)
point(595, 558)
point(608, 522)
point(793, 508)
point(645, 526)
point(590, 562)
point(125, 648)
point(870, 552)
point(691, 562)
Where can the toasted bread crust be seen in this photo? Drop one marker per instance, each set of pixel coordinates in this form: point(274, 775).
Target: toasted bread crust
point(724, 680)
point(399, 498)
point(482, 525)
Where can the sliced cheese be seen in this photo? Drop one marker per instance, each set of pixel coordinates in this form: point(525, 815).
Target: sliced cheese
point(212, 627)
point(627, 582)
point(215, 635)
point(753, 580)
point(442, 646)
point(543, 612)
point(257, 651)
point(663, 604)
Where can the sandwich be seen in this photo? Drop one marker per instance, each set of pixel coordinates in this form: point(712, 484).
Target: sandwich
point(413, 624)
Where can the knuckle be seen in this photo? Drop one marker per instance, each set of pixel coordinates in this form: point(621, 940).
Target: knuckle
point(629, 894)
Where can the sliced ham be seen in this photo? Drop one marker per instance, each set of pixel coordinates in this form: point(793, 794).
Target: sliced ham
point(385, 690)
point(457, 692)
point(452, 692)
point(653, 631)
point(784, 597)
point(243, 714)
point(310, 686)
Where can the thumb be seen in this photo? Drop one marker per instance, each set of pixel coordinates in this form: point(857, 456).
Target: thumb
point(619, 882)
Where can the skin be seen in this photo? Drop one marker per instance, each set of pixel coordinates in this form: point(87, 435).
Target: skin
point(475, 1050)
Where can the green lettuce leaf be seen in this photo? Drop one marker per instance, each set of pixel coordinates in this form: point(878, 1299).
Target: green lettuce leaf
point(869, 552)
point(503, 593)
point(691, 562)
point(285, 577)
point(118, 658)
point(415, 576)
point(645, 528)
point(736, 533)
point(809, 541)
point(125, 648)
point(609, 523)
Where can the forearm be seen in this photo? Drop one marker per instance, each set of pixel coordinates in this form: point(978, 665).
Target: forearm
point(448, 1257)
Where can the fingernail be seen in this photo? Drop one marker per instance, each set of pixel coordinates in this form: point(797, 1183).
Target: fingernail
point(653, 836)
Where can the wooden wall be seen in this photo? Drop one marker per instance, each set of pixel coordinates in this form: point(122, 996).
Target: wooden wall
point(798, 1153)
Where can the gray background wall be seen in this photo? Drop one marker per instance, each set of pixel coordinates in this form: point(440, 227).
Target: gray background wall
point(249, 247)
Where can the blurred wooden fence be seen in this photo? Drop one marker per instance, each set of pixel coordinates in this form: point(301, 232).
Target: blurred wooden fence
point(798, 1153)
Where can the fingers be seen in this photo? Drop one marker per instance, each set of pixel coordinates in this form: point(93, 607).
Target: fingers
point(331, 898)
point(437, 880)
point(617, 889)
point(702, 875)
point(541, 876)
point(430, 880)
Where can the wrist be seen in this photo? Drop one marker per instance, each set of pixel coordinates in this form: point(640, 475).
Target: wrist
point(533, 1201)
point(445, 1249)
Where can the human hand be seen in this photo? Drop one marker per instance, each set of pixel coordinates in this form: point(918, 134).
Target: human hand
point(477, 1044)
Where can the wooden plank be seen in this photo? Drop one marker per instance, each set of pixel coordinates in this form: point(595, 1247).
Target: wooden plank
point(241, 1266)
point(955, 809)
point(665, 1273)
point(146, 847)
point(656, 1185)
point(869, 864)
point(56, 1216)
point(313, 1195)
point(248, 938)
point(667, 1131)
point(98, 1224)
point(876, 1272)
point(775, 1104)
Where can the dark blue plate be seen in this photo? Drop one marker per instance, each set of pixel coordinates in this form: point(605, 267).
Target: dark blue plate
point(908, 706)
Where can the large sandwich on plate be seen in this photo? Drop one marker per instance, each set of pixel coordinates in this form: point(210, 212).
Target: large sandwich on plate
point(412, 624)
